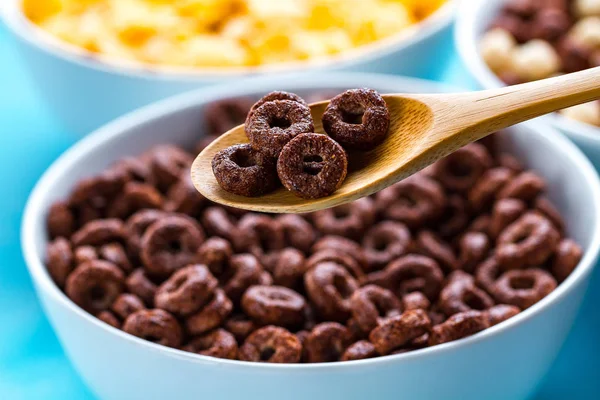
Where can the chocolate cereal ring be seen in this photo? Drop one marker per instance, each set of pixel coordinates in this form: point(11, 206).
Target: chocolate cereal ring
point(156, 326)
point(414, 201)
point(349, 220)
point(474, 247)
point(169, 244)
point(218, 222)
point(460, 294)
point(186, 290)
point(357, 119)
point(59, 260)
point(410, 273)
point(183, 197)
point(340, 258)
point(360, 350)
point(99, 232)
point(272, 125)
point(136, 226)
point(241, 170)
point(260, 234)
point(329, 287)
point(487, 273)
point(525, 186)
point(126, 304)
point(433, 246)
point(504, 213)
point(218, 343)
point(500, 313)
point(168, 163)
point(240, 326)
point(567, 256)
point(312, 166)
point(60, 220)
point(84, 254)
point(139, 284)
point(134, 197)
point(135, 170)
point(458, 326)
point(109, 318)
point(523, 288)
point(220, 116)
point(483, 193)
point(244, 271)
point(271, 344)
point(397, 331)
point(215, 253)
point(211, 315)
point(269, 305)
point(343, 245)
point(297, 232)
point(95, 285)
point(455, 217)
point(372, 304)
point(326, 342)
point(289, 268)
point(276, 95)
point(530, 240)
point(549, 210)
point(459, 171)
point(415, 301)
point(115, 253)
point(385, 242)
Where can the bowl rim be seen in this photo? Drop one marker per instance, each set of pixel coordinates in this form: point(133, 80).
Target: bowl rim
point(35, 36)
point(35, 211)
point(466, 37)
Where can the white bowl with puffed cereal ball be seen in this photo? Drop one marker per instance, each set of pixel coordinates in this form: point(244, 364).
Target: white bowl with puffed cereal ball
point(506, 361)
point(494, 57)
point(94, 80)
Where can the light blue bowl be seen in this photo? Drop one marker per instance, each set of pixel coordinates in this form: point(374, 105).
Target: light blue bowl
point(473, 20)
point(506, 361)
point(86, 92)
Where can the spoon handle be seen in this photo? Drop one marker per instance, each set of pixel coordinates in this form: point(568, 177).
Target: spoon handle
point(484, 112)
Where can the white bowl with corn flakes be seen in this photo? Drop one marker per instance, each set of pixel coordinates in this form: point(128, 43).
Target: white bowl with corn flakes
point(96, 59)
point(498, 50)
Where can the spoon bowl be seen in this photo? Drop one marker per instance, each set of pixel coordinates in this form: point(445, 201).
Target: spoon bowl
point(362, 165)
point(423, 129)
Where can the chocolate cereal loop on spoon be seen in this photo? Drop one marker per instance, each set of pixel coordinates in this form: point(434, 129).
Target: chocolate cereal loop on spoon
point(276, 95)
point(312, 165)
point(272, 125)
point(241, 170)
point(357, 119)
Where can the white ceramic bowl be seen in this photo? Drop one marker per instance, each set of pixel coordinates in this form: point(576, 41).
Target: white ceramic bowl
point(472, 21)
point(86, 92)
point(504, 362)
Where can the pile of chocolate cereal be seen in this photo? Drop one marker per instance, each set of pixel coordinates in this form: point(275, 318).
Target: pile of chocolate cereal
point(284, 149)
point(444, 254)
point(537, 39)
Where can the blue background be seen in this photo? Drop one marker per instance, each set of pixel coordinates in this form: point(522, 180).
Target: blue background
point(32, 362)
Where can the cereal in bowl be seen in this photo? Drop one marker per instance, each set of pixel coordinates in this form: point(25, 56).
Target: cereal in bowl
point(533, 40)
point(224, 33)
point(442, 255)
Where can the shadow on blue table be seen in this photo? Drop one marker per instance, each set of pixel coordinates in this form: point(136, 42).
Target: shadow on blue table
point(32, 363)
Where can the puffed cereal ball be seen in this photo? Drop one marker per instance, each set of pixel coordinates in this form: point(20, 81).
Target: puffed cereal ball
point(586, 8)
point(496, 48)
point(535, 60)
point(587, 32)
point(588, 113)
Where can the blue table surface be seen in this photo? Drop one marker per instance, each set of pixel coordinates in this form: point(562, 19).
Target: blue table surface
point(32, 362)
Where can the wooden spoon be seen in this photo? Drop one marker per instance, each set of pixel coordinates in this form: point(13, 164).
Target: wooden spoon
point(423, 129)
